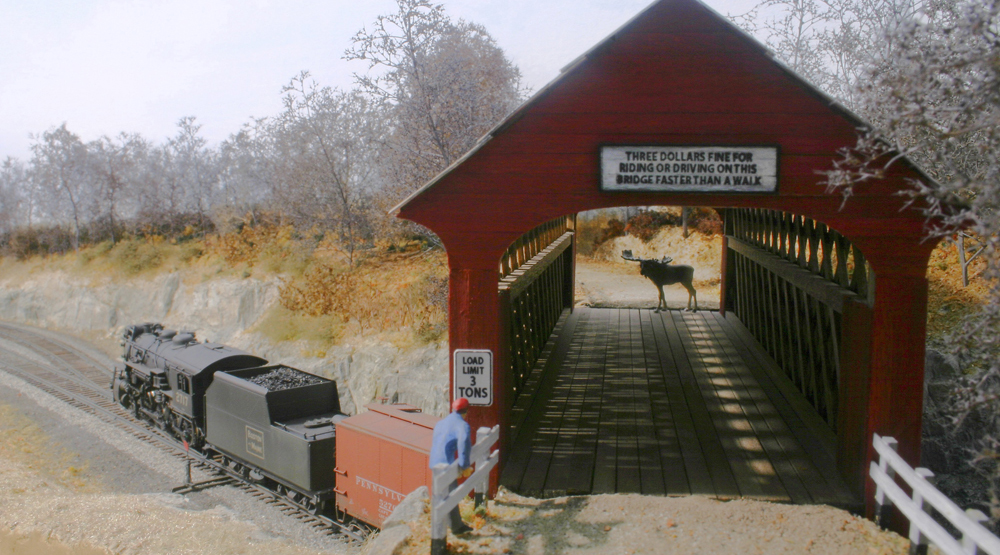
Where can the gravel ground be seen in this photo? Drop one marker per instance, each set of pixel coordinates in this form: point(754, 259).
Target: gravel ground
point(606, 285)
point(67, 479)
point(636, 524)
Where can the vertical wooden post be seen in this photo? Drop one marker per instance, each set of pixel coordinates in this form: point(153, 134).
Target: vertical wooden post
point(918, 541)
point(852, 410)
point(477, 322)
point(895, 385)
point(569, 290)
point(728, 264)
point(882, 503)
point(482, 488)
point(439, 526)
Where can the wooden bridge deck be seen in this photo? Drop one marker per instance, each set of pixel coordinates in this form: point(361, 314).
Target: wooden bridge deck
point(628, 400)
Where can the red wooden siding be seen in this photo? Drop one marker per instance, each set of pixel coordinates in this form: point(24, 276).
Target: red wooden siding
point(680, 75)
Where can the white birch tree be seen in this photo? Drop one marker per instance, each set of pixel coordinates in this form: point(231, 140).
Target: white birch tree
point(59, 164)
point(324, 151)
point(115, 166)
point(936, 100)
point(443, 85)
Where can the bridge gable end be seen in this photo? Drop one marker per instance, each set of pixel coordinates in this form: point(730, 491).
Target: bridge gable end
point(678, 74)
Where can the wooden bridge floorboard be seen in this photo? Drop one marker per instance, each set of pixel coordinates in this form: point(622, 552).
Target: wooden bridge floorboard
point(673, 403)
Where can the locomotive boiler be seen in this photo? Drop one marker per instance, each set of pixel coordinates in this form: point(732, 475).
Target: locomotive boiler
point(164, 375)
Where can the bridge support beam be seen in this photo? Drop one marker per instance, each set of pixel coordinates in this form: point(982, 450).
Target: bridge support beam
point(852, 414)
point(476, 322)
point(895, 383)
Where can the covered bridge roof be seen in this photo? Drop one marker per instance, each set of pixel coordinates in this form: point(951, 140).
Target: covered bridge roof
point(678, 74)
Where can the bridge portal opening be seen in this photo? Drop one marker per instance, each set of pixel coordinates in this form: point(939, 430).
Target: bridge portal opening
point(624, 398)
point(689, 236)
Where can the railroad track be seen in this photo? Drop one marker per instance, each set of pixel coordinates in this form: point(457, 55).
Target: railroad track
point(82, 381)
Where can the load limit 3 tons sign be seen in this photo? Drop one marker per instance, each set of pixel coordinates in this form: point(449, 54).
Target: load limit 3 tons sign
point(474, 376)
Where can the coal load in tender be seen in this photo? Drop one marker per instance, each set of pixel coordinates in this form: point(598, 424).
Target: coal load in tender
point(284, 378)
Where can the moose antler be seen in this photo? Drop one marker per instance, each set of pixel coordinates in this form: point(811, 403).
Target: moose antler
point(627, 255)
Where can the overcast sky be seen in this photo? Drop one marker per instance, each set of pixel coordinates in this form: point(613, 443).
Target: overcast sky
point(107, 66)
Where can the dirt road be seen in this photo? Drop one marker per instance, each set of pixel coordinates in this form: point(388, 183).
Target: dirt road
point(608, 285)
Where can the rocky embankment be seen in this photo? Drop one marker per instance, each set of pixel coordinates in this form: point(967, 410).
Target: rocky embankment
point(225, 310)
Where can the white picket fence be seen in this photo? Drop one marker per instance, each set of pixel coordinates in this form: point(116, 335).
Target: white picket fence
point(924, 529)
point(442, 502)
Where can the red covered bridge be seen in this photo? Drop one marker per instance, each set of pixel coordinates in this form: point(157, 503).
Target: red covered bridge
point(774, 396)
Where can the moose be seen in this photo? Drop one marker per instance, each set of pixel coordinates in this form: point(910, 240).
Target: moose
point(661, 273)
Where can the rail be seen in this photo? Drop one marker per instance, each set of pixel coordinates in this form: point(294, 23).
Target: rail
point(76, 378)
point(443, 501)
point(924, 530)
point(535, 295)
point(789, 280)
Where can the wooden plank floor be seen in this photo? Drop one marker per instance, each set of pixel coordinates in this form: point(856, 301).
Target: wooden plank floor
point(670, 403)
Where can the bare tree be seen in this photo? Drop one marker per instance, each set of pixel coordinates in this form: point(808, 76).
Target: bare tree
point(444, 85)
point(938, 106)
point(114, 165)
point(192, 171)
point(793, 32)
point(59, 160)
point(247, 169)
point(16, 201)
point(835, 44)
point(937, 101)
point(862, 41)
point(325, 148)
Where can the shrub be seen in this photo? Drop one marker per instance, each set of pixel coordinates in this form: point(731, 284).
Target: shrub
point(392, 294)
point(181, 226)
point(614, 228)
point(96, 251)
point(645, 225)
point(705, 221)
point(323, 289)
point(137, 255)
point(433, 290)
point(251, 242)
point(24, 243)
point(591, 232)
point(190, 251)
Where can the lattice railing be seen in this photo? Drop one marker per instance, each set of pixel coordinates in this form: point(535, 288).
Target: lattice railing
point(536, 293)
point(808, 244)
point(792, 277)
point(531, 243)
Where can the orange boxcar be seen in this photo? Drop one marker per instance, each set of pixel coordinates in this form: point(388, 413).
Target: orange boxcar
point(382, 456)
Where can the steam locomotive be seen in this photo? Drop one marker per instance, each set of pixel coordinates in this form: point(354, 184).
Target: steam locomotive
point(268, 423)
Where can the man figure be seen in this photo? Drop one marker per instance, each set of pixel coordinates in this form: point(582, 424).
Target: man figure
point(452, 441)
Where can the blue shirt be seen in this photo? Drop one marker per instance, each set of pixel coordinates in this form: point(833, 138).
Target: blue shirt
point(451, 436)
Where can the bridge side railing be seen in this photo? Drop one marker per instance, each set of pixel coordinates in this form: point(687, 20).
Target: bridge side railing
point(535, 295)
point(527, 246)
point(924, 530)
point(790, 279)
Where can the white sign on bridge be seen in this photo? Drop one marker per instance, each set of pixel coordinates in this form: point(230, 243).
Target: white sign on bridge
point(694, 169)
point(474, 376)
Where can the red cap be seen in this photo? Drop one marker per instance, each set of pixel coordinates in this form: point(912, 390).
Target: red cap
point(459, 404)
